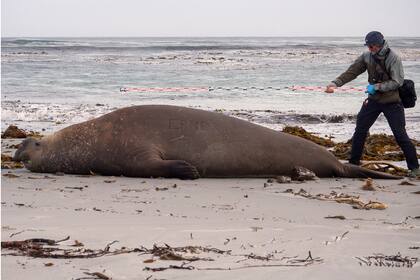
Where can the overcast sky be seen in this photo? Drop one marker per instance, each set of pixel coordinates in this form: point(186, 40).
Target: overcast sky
point(81, 18)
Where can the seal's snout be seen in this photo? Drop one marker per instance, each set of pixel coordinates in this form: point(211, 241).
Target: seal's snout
point(27, 148)
point(23, 157)
point(18, 153)
point(16, 157)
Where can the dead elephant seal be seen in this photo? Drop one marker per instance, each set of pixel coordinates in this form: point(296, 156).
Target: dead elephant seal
point(171, 141)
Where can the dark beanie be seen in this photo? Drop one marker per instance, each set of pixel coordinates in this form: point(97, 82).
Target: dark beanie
point(374, 38)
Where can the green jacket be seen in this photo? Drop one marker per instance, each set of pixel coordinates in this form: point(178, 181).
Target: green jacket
point(386, 85)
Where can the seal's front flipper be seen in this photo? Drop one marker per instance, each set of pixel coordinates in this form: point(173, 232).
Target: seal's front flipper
point(182, 170)
point(158, 167)
point(149, 161)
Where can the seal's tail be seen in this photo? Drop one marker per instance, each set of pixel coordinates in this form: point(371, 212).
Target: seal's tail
point(354, 171)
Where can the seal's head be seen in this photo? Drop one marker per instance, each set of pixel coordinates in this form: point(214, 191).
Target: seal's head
point(30, 153)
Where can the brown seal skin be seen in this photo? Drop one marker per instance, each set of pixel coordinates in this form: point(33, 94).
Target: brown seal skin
point(178, 142)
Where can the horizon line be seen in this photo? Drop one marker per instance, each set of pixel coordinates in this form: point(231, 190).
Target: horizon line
point(212, 36)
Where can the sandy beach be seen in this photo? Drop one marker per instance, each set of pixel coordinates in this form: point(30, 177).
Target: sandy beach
point(261, 72)
point(241, 228)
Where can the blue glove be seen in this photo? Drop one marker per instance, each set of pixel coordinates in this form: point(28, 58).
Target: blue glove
point(370, 89)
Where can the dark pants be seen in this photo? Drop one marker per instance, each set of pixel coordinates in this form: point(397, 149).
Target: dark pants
point(394, 114)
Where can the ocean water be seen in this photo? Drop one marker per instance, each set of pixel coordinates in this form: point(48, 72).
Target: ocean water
point(49, 83)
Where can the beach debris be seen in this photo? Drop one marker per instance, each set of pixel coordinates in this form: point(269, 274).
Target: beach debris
point(303, 174)
point(48, 248)
point(134, 190)
point(339, 217)
point(22, 205)
point(385, 167)
point(75, 188)
point(376, 205)
point(301, 132)
point(341, 198)
point(170, 256)
point(252, 256)
point(388, 261)
point(224, 207)
point(378, 147)
point(98, 275)
point(167, 252)
point(161, 189)
point(19, 204)
point(77, 243)
point(13, 146)
point(39, 178)
point(53, 249)
point(8, 163)
point(404, 222)
point(7, 227)
point(369, 185)
point(417, 192)
point(6, 158)
point(16, 233)
point(255, 229)
point(29, 246)
point(283, 179)
point(19, 232)
point(414, 247)
point(406, 183)
point(110, 181)
point(337, 238)
point(11, 175)
point(228, 240)
point(284, 262)
point(14, 132)
point(157, 269)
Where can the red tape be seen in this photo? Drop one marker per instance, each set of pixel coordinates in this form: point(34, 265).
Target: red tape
point(207, 89)
point(164, 89)
point(318, 88)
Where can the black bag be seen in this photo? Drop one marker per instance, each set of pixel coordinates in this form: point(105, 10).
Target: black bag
point(407, 91)
point(408, 94)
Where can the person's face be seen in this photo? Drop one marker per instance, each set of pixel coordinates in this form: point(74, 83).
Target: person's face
point(374, 48)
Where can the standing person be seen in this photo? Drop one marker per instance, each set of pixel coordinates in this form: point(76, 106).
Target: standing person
point(385, 76)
